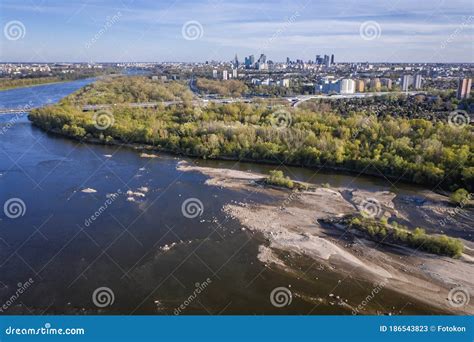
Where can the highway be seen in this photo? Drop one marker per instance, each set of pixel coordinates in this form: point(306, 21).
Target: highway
point(203, 100)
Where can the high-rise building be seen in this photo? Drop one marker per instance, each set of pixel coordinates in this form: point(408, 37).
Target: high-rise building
point(236, 61)
point(224, 75)
point(214, 73)
point(249, 62)
point(418, 82)
point(464, 88)
point(332, 59)
point(407, 82)
point(234, 73)
point(262, 59)
point(360, 86)
point(346, 86)
point(386, 82)
point(375, 84)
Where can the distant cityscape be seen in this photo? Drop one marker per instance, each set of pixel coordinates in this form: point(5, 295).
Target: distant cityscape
point(323, 75)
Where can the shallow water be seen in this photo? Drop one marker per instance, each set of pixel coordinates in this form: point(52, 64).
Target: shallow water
point(68, 255)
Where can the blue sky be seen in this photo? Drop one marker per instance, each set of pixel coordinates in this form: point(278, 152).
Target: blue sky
point(141, 30)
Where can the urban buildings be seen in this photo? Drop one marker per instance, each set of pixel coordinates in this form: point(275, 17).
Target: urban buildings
point(407, 82)
point(387, 83)
point(360, 86)
point(375, 84)
point(418, 83)
point(464, 88)
point(225, 75)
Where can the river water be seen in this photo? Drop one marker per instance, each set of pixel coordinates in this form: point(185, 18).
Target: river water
point(69, 248)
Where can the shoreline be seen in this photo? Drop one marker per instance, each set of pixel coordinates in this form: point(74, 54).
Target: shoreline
point(290, 225)
point(145, 147)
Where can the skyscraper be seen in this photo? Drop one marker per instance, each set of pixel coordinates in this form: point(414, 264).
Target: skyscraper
point(464, 88)
point(418, 82)
point(236, 61)
point(407, 82)
point(332, 59)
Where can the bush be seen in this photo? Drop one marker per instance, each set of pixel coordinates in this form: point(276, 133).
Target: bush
point(418, 238)
point(277, 178)
point(460, 197)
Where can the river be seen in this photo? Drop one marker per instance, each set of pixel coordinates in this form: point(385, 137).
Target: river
point(141, 247)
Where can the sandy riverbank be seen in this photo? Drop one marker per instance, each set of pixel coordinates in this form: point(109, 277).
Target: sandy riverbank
point(291, 225)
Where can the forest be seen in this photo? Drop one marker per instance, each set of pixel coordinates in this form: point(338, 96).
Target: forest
point(416, 150)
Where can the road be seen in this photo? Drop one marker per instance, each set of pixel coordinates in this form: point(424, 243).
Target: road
point(201, 100)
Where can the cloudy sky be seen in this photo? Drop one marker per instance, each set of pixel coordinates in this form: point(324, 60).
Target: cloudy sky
point(184, 30)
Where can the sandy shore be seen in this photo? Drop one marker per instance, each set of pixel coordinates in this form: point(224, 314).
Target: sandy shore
point(291, 225)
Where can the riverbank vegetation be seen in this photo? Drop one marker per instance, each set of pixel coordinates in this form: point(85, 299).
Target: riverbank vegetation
point(228, 88)
point(415, 150)
point(19, 82)
point(382, 231)
point(119, 90)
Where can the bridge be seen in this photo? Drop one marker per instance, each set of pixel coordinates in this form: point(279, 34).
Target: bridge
point(14, 111)
point(205, 100)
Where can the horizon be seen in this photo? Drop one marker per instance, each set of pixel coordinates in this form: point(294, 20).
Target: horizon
point(195, 32)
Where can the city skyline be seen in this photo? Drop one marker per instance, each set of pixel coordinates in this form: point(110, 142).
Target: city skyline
point(184, 31)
